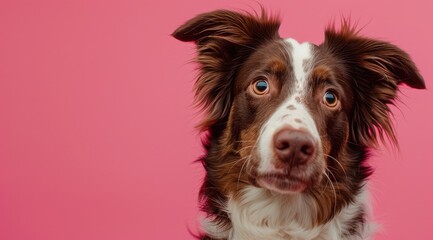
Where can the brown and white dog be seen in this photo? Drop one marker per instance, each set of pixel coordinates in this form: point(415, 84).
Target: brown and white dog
point(289, 126)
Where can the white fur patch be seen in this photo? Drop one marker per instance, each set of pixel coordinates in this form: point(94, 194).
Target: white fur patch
point(261, 215)
point(293, 111)
point(299, 53)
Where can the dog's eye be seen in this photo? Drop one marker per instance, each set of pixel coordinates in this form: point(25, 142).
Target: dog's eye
point(330, 99)
point(261, 87)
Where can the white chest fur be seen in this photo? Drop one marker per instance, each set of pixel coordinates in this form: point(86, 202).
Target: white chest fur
point(261, 215)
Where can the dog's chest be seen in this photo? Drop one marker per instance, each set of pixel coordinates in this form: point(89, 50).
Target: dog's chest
point(259, 215)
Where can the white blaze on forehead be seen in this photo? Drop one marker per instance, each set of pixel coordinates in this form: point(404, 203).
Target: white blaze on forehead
point(300, 54)
point(292, 112)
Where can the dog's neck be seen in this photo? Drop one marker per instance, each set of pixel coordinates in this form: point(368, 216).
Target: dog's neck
point(260, 214)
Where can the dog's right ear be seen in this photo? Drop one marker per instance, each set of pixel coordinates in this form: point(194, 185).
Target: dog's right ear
point(224, 39)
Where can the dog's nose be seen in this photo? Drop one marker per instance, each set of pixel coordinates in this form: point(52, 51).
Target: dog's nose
point(294, 147)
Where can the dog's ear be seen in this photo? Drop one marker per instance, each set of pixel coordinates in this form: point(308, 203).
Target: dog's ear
point(376, 69)
point(224, 39)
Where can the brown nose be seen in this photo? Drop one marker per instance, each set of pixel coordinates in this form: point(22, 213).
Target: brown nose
point(294, 147)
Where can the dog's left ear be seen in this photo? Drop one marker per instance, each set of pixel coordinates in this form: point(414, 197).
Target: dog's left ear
point(376, 69)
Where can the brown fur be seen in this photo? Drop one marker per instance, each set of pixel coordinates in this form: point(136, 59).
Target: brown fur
point(234, 50)
point(224, 39)
point(376, 68)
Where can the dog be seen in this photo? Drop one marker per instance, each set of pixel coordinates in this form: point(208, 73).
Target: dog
point(289, 126)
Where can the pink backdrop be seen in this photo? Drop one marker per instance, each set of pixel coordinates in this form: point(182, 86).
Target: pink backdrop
point(96, 123)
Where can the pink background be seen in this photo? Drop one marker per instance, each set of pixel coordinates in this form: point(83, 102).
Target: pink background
point(96, 123)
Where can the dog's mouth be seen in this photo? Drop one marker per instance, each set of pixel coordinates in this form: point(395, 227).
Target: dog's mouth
point(283, 183)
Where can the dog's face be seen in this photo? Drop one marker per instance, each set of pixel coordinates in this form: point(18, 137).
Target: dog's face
point(291, 108)
point(289, 117)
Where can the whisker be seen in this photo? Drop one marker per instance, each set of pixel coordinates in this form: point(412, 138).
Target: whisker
point(339, 164)
point(236, 162)
point(247, 141)
point(334, 191)
point(240, 172)
point(244, 148)
point(246, 164)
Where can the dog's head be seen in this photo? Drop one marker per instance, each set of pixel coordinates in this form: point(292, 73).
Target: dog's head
point(293, 118)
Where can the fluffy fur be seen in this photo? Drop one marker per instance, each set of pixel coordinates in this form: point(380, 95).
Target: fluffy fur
point(258, 184)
